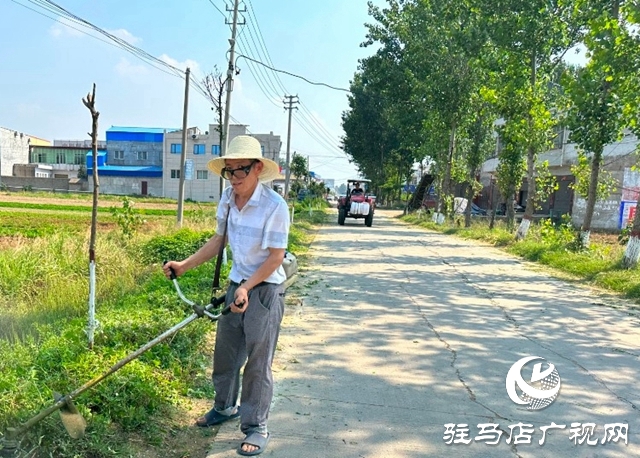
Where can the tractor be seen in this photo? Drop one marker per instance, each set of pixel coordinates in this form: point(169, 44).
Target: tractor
point(357, 203)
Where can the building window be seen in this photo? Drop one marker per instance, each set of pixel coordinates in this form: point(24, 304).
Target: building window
point(175, 173)
point(215, 150)
point(199, 148)
point(79, 158)
point(42, 157)
point(202, 174)
point(118, 155)
point(176, 148)
point(142, 155)
point(262, 149)
point(61, 158)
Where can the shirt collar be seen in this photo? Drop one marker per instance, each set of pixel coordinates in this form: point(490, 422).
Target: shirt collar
point(253, 201)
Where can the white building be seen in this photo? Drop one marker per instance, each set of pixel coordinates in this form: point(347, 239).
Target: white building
point(14, 149)
point(200, 184)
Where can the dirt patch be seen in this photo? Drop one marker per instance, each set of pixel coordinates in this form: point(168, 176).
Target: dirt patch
point(182, 438)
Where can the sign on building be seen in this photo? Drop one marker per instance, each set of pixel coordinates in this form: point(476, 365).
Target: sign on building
point(188, 169)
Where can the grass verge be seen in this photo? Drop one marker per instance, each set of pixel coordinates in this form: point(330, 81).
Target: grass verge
point(553, 246)
point(43, 343)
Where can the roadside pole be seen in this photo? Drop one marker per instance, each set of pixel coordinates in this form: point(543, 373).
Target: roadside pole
point(290, 106)
point(183, 153)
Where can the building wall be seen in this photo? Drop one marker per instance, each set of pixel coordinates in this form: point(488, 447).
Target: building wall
point(36, 184)
point(102, 144)
point(207, 187)
point(618, 158)
point(14, 149)
point(127, 185)
point(131, 151)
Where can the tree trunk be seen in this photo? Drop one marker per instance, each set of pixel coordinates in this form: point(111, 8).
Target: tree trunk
point(446, 181)
point(89, 102)
point(523, 229)
point(632, 251)
point(527, 218)
point(585, 231)
point(467, 212)
point(510, 211)
point(494, 202)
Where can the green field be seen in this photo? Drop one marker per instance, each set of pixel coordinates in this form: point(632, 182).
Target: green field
point(44, 289)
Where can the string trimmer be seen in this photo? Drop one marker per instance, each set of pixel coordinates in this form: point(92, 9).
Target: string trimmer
point(71, 418)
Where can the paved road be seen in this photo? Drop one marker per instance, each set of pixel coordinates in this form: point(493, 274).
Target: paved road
point(402, 331)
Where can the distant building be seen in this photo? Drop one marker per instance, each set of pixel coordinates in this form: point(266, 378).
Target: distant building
point(200, 184)
point(132, 162)
point(57, 161)
point(14, 149)
point(102, 144)
point(611, 214)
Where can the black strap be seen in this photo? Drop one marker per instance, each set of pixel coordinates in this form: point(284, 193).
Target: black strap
point(216, 275)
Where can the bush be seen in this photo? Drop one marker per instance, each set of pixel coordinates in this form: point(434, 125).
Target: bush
point(177, 246)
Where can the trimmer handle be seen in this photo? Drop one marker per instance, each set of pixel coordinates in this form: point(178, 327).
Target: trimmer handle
point(173, 275)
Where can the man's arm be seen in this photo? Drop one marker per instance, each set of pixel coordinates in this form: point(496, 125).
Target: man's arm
point(208, 251)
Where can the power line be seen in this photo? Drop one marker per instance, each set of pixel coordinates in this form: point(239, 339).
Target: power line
point(294, 75)
point(216, 7)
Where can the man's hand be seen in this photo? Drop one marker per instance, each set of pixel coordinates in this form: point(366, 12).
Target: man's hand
point(240, 301)
point(177, 266)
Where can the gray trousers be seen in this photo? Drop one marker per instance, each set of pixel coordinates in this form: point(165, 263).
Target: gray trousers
point(252, 337)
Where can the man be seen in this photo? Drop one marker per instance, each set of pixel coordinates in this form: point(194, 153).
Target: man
point(257, 227)
point(357, 190)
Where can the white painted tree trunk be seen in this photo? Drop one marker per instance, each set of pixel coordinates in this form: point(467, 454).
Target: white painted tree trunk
point(91, 327)
point(523, 229)
point(584, 238)
point(631, 253)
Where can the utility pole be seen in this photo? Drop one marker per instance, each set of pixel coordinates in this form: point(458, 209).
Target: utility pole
point(290, 107)
point(224, 140)
point(183, 153)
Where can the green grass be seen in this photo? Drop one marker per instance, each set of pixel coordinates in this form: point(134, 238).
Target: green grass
point(43, 318)
point(82, 208)
point(552, 246)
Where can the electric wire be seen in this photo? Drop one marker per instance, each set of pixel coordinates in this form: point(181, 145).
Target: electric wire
point(112, 40)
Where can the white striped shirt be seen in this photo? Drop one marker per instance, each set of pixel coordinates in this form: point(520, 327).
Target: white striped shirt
point(262, 223)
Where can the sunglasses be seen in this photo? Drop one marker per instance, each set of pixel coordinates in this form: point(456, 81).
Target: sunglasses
point(240, 172)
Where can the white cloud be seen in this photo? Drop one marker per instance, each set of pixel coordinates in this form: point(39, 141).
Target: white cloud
point(125, 35)
point(129, 70)
point(192, 64)
point(65, 28)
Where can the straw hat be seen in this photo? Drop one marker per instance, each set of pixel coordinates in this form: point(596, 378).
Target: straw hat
point(246, 147)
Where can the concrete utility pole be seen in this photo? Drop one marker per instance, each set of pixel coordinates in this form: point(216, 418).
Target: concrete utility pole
point(224, 141)
point(290, 107)
point(183, 153)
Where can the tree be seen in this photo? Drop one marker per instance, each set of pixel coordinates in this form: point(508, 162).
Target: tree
point(215, 85)
point(299, 167)
point(530, 37)
point(90, 102)
point(599, 113)
point(478, 129)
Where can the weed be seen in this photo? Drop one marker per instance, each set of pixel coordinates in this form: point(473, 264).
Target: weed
point(127, 219)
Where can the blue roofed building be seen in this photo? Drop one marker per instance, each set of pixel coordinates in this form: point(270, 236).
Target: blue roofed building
point(132, 163)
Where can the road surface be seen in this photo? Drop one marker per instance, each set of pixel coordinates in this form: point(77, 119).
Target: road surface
point(402, 342)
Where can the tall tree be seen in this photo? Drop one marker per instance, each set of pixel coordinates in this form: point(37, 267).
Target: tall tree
point(599, 110)
point(531, 37)
point(479, 143)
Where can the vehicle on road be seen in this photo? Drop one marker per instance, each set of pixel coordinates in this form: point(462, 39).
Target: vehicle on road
point(357, 203)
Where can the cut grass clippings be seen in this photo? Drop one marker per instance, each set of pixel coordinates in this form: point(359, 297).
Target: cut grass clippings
point(552, 246)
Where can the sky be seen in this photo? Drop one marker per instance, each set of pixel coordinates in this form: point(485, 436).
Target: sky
point(48, 67)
